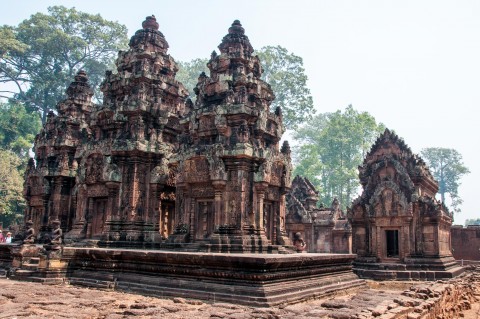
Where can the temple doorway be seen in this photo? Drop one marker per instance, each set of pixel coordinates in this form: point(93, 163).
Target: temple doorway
point(166, 219)
point(98, 217)
point(269, 220)
point(205, 219)
point(392, 243)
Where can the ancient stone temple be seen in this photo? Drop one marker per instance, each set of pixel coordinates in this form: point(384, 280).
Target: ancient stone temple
point(50, 180)
point(232, 176)
point(323, 229)
point(103, 169)
point(199, 190)
point(399, 229)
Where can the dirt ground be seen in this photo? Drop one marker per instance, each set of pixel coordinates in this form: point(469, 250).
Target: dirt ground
point(34, 300)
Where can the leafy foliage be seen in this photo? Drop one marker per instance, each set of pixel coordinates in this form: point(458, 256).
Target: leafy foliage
point(189, 71)
point(17, 128)
point(285, 73)
point(47, 50)
point(8, 43)
point(11, 187)
point(447, 167)
point(331, 147)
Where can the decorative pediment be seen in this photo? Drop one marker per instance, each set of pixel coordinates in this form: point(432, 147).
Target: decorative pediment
point(388, 200)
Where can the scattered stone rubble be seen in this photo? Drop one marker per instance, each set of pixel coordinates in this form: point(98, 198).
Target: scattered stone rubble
point(425, 300)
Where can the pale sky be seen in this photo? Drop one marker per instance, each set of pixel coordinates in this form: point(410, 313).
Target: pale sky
point(413, 65)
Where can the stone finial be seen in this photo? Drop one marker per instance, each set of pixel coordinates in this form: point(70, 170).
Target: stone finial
point(236, 28)
point(202, 76)
point(150, 23)
point(278, 111)
point(81, 76)
point(285, 148)
point(31, 163)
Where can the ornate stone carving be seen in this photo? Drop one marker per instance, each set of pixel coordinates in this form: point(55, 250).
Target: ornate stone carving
point(115, 167)
point(225, 142)
point(389, 219)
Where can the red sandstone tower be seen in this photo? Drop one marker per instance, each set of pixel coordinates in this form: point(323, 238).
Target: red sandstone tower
point(232, 176)
point(50, 179)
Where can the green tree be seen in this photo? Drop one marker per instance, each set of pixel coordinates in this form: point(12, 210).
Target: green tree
point(189, 71)
point(447, 167)
point(331, 147)
point(9, 72)
point(284, 71)
point(17, 128)
point(55, 46)
point(12, 202)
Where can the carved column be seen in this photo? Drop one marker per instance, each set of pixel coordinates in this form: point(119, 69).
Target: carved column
point(259, 218)
point(146, 183)
point(219, 218)
point(112, 196)
point(180, 217)
point(282, 236)
point(191, 219)
point(155, 204)
point(56, 199)
point(89, 217)
point(436, 237)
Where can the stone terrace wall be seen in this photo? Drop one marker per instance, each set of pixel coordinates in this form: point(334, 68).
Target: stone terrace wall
point(466, 242)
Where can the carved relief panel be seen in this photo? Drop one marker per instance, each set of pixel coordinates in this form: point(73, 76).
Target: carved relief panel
point(94, 169)
point(196, 170)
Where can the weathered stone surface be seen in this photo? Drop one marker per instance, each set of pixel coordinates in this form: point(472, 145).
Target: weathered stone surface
point(400, 231)
point(324, 229)
point(248, 279)
point(232, 174)
point(148, 164)
point(466, 242)
point(25, 299)
point(102, 170)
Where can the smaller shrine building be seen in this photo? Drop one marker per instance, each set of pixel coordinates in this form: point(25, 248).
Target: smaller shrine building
point(399, 229)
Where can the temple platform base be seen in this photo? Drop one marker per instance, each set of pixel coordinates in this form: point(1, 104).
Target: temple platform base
point(418, 268)
point(259, 280)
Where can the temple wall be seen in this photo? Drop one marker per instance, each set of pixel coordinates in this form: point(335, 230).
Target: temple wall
point(342, 242)
point(324, 240)
point(429, 240)
point(444, 240)
point(466, 242)
point(359, 242)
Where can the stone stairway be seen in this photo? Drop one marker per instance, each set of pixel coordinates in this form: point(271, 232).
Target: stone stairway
point(31, 270)
point(100, 280)
point(28, 270)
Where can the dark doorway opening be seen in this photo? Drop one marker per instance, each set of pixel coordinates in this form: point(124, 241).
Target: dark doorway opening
point(392, 243)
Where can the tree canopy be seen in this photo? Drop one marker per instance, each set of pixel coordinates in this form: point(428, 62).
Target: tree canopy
point(189, 71)
point(45, 51)
point(447, 167)
point(284, 71)
point(17, 128)
point(331, 147)
point(11, 188)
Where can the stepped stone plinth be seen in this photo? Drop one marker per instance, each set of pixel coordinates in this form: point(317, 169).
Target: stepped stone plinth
point(259, 280)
